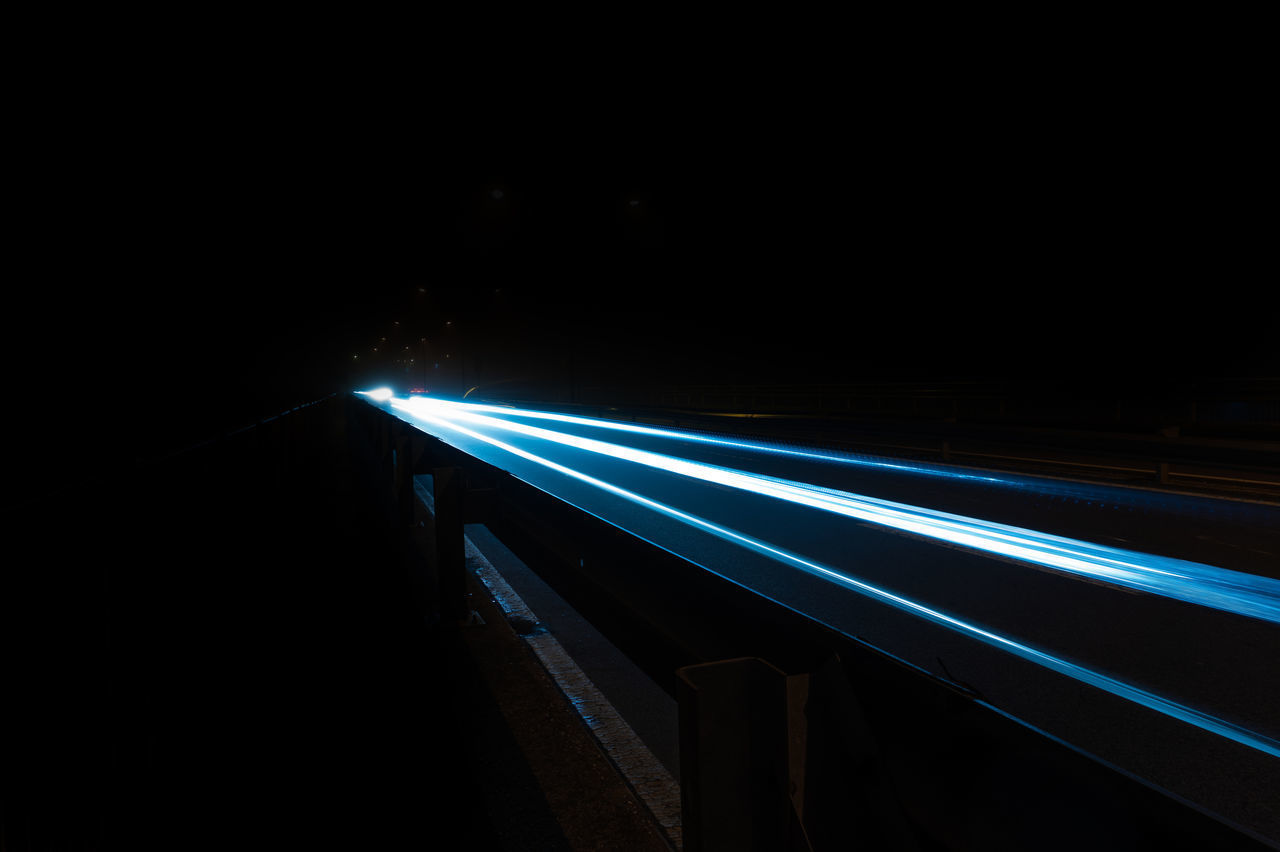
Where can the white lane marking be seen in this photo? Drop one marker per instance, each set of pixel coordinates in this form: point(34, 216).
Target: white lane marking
point(657, 790)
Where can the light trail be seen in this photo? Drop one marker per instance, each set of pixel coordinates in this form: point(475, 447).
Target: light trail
point(695, 438)
point(1204, 585)
point(437, 413)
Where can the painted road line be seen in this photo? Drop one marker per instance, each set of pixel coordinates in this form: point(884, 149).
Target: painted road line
point(657, 790)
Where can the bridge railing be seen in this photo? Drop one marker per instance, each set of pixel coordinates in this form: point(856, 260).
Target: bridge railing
point(793, 737)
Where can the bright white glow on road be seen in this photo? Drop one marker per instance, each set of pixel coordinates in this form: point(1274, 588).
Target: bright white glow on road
point(1257, 597)
point(380, 394)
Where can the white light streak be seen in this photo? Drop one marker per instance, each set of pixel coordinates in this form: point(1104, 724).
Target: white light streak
point(449, 417)
point(1204, 585)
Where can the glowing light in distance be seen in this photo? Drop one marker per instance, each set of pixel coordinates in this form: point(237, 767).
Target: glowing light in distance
point(380, 394)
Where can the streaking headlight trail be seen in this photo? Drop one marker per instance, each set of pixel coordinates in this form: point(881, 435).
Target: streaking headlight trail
point(1242, 594)
point(1204, 585)
point(695, 438)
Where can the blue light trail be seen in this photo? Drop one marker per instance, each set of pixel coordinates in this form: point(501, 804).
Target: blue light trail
point(695, 438)
point(1256, 597)
point(1205, 585)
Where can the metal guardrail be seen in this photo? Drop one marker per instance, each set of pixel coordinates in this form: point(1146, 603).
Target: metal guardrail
point(793, 737)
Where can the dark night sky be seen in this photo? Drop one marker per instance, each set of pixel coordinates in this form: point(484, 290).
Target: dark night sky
point(237, 237)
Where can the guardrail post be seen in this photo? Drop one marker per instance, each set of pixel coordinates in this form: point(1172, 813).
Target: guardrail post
point(450, 552)
point(404, 479)
point(733, 756)
point(844, 787)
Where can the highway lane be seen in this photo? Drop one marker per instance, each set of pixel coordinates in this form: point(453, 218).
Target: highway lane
point(1153, 683)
